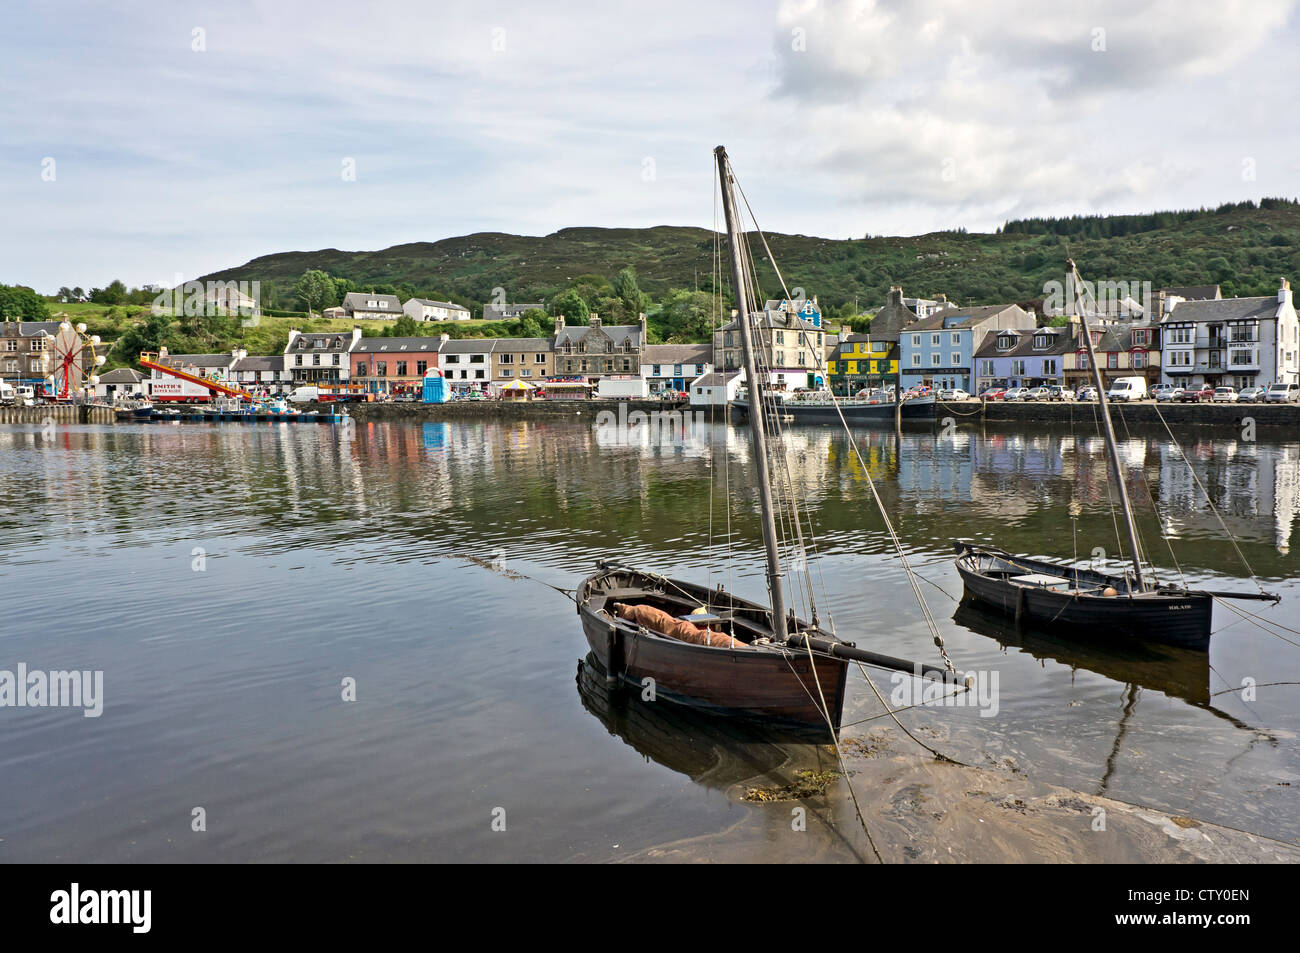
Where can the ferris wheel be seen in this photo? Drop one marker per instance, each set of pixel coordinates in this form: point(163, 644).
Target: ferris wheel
point(74, 360)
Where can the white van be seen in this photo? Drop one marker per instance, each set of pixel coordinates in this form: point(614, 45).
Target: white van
point(1127, 388)
point(304, 395)
point(7, 393)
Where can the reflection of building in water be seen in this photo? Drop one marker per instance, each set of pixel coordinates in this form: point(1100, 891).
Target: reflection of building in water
point(936, 467)
point(1248, 483)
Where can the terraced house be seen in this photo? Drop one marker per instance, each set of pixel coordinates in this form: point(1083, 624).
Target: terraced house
point(598, 350)
point(789, 350)
point(24, 350)
point(1024, 358)
point(393, 365)
point(939, 351)
point(871, 360)
point(672, 367)
point(1235, 342)
point(1123, 349)
point(320, 358)
point(527, 359)
point(467, 364)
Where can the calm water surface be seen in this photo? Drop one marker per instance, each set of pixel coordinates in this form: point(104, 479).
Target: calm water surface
point(324, 559)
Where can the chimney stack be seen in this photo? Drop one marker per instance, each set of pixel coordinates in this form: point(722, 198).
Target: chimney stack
point(1284, 292)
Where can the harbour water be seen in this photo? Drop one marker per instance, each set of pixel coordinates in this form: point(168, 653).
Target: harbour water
point(231, 583)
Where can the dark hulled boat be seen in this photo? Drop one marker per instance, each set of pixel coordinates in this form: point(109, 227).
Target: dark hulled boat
point(1088, 603)
point(1067, 597)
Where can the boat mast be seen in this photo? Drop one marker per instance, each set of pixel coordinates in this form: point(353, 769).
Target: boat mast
point(1109, 431)
point(757, 425)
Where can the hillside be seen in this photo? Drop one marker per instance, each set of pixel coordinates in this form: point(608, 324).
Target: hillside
point(1243, 247)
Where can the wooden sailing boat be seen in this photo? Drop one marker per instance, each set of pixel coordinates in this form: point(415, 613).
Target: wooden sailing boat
point(747, 658)
point(1063, 596)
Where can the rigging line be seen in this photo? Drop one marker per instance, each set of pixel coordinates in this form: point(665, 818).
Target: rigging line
point(1259, 621)
point(1156, 509)
point(1213, 509)
point(888, 711)
point(1233, 691)
point(839, 755)
point(1110, 499)
point(820, 363)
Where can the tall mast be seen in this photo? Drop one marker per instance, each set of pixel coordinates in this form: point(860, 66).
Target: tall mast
point(757, 429)
point(1109, 430)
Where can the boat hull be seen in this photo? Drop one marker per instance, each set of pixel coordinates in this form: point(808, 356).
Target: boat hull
point(1169, 617)
point(783, 685)
point(920, 408)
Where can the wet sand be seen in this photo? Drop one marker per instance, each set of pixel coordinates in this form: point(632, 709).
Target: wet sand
point(922, 810)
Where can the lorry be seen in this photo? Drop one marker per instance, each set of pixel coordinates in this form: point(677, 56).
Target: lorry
point(176, 390)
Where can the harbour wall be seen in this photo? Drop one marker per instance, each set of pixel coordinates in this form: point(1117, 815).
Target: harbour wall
point(59, 413)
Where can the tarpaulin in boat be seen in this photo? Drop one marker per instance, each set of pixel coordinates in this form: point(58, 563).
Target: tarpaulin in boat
point(665, 623)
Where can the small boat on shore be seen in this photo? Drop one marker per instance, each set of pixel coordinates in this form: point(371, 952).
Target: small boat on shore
point(1091, 604)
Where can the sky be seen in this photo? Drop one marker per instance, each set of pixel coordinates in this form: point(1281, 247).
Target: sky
point(151, 141)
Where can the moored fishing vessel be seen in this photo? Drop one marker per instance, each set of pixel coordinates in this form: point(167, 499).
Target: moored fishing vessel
point(705, 647)
point(1093, 604)
point(824, 407)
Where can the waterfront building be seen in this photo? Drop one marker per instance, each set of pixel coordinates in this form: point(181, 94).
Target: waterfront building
point(1023, 358)
point(119, 382)
point(806, 308)
point(384, 365)
point(1123, 349)
point(368, 306)
point(871, 360)
point(320, 358)
point(939, 350)
point(672, 367)
point(25, 351)
point(262, 372)
point(526, 359)
point(466, 363)
point(788, 347)
point(1236, 342)
point(598, 350)
point(716, 388)
point(423, 309)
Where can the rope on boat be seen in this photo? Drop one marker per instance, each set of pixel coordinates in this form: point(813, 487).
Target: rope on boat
point(1259, 621)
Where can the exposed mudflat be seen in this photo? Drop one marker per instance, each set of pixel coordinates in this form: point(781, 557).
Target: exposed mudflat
point(922, 810)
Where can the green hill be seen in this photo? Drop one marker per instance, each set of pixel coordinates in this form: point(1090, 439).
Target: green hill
point(1245, 247)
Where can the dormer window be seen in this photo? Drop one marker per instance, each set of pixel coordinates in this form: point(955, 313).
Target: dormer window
point(1140, 337)
point(1042, 341)
point(1006, 342)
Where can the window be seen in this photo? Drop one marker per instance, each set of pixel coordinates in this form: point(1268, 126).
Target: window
point(478, 374)
point(654, 370)
point(421, 367)
point(934, 339)
point(507, 358)
point(1083, 362)
point(401, 368)
point(1049, 367)
point(934, 358)
point(1018, 368)
point(1006, 342)
point(476, 358)
point(361, 369)
point(1041, 341)
point(986, 368)
point(1140, 337)
point(916, 360)
point(1139, 359)
point(506, 372)
point(11, 344)
point(381, 368)
point(956, 359)
point(1180, 335)
point(336, 359)
point(11, 367)
point(677, 370)
point(315, 360)
point(539, 358)
point(1112, 360)
point(916, 340)
point(956, 338)
point(526, 372)
point(39, 343)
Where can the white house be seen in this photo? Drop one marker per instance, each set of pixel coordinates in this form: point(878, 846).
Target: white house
point(121, 382)
point(716, 388)
point(319, 358)
point(466, 364)
point(1232, 342)
point(674, 366)
point(422, 309)
point(368, 306)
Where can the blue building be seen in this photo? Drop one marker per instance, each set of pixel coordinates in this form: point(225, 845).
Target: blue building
point(939, 350)
point(1012, 358)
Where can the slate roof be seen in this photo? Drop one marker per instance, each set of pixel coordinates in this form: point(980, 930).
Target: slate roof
point(950, 318)
point(378, 345)
point(618, 333)
point(1223, 309)
point(677, 354)
point(356, 301)
point(1063, 341)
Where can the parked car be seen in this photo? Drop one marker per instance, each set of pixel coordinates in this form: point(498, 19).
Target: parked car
point(1193, 395)
point(993, 393)
point(1282, 393)
point(1059, 393)
point(1087, 393)
point(1039, 393)
point(953, 393)
point(1127, 388)
point(1173, 393)
point(1251, 395)
point(1016, 393)
point(1225, 395)
point(1160, 391)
